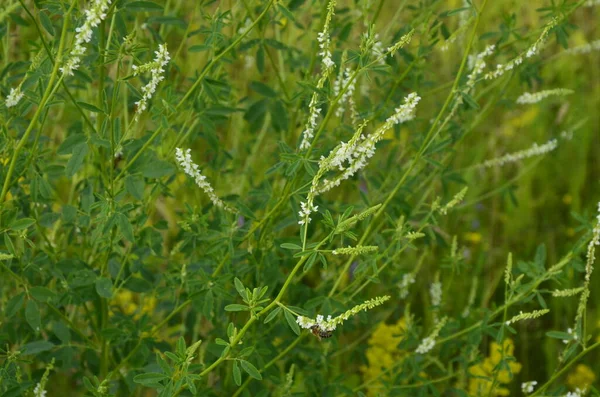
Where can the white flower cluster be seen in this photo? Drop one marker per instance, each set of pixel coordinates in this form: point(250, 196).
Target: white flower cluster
point(584, 48)
point(535, 150)
point(347, 96)
point(156, 69)
point(308, 323)
point(357, 153)
point(193, 170)
point(243, 28)
point(571, 332)
point(330, 323)
point(305, 211)
point(535, 97)
point(577, 393)
point(309, 130)
point(531, 51)
point(377, 51)
point(428, 343)
point(14, 97)
point(477, 64)
point(314, 111)
point(405, 284)
point(435, 291)
point(93, 16)
point(39, 391)
point(589, 268)
point(324, 39)
point(527, 387)
point(406, 111)
point(591, 257)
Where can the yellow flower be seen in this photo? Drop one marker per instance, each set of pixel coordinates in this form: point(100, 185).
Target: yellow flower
point(567, 199)
point(383, 353)
point(582, 377)
point(481, 382)
point(473, 237)
point(130, 303)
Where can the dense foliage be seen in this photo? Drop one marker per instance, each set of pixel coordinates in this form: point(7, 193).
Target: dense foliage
point(299, 197)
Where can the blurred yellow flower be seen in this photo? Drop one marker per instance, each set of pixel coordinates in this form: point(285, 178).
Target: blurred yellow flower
point(582, 377)
point(383, 353)
point(130, 303)
point(567, 199)
point(473, 237)
point(481, 382)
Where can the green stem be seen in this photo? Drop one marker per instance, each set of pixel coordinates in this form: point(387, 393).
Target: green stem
point(47, 94)
point(565, 368)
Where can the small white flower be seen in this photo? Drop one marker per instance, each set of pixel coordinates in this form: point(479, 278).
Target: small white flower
point(571, 332)
point(405, 284)
point(577, 393)
point(435, 291)
point(534, 150)
point(426, 345)
point(156, 69)
point(39, 391)
point(527, 387)
point(14, 97)
point(330, 323)
point(584, 48)
point(193, 170)
point(93, 16)
point(538, 96)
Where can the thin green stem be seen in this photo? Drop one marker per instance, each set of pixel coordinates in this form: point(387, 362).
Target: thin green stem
point(47, 94)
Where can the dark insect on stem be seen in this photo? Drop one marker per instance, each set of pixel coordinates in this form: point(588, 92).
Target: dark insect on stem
point(320, 333)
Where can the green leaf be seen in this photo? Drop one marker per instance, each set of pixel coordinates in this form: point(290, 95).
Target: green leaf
point(236, 308)
point(90, 107)
point(14, 305)
point(292, 322)
point(104, 287)
point(32, 315)
point(262, 89)
point(470, 100)
point(76, 161)
point(61, 331)
point(134, 184)
point(237, 374)
point(42, 294)
point(559, 335)
point(46, 23)
point(150, 379)
point(310, 261)
point(273, 314)
point(290, 246)
point(125, 227)
point(20, 224)
point(9, 244)
point(67, 146)
point(157, 169)
point(36, 347)
point(251, 369)
point(240, 288)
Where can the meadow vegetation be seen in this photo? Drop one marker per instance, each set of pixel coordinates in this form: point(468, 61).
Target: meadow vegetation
point(299, 197)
